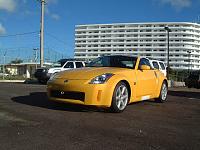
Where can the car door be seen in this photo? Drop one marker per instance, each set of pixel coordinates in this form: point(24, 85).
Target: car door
point(146, 80)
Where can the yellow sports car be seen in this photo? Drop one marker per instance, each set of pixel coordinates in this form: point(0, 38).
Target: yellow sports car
point(109, 81)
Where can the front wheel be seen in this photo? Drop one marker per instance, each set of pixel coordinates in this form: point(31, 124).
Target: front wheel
point(163, 93)
point(120, 97)
point(42, 81)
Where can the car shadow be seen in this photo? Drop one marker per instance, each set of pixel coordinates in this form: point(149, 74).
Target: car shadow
point(40, 99)
point(187, 94)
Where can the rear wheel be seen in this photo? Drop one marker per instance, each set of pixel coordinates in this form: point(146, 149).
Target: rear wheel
point(120, 97)
point(163, 93)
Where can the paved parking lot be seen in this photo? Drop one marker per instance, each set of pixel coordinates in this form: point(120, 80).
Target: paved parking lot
point(29, 121)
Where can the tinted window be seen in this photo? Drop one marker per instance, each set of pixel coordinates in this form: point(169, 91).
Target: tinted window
point(162, 65)
point(69, 65)
point(144, 61)
point(155, 65)
point(79, 64)
point(114, 61)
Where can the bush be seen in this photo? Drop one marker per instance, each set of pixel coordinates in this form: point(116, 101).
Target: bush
point(13, 77)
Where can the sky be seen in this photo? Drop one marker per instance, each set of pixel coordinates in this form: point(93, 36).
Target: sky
point(61, 16)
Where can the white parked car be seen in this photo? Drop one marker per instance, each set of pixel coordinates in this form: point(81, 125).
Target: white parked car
point(63, 65)
point(43, 74)
point(160, 65)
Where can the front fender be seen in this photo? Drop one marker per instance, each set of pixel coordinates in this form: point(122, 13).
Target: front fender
point(110, 87)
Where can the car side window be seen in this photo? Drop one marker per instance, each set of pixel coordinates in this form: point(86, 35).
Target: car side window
point(79, 64)
point(155, 64)
point(144, 61)
point(162, 65)
point(69, 65)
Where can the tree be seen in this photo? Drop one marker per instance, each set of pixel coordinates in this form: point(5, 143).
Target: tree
point(16, 61)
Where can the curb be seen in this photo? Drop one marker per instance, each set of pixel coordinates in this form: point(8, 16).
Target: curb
point(13, 81)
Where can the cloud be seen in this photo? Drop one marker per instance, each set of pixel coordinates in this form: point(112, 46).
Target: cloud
point(51, 14)
point(8, 5)
point(28, 12)
point(51, 1)
point(55, 16)
point(46, 10)
point(24, 1)
point(178, 4)
point(2, 29)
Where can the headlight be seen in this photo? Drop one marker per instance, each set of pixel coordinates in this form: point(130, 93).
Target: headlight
point(45, 70)
point(53, 76)
point(101, 79)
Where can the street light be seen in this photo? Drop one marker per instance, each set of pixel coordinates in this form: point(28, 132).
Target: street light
point(189, 54)
point(168, 30)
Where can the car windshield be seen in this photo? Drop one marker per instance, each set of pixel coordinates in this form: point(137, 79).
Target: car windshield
point(58, 64)
point(114, 61)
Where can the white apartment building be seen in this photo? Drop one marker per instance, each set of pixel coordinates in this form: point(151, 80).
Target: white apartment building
point(141, 39)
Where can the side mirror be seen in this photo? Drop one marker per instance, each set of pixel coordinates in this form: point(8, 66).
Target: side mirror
point(145, 67)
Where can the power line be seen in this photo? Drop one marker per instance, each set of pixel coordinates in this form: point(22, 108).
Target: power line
point(56, 38)
point(15, 48)
point(19, 34)
point(67, 46)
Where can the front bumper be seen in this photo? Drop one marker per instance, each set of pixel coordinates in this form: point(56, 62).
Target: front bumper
point(80, 92)
point(41, 76)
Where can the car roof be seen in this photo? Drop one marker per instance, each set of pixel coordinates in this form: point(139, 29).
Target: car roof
point(70, 59)
point(155, 60)
point(120, 56)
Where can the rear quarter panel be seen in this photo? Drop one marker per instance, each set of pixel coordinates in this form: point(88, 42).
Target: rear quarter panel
point(161, 78)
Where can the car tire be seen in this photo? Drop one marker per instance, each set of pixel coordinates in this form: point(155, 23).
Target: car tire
point(120, 98)
point(163, 93)
point(189, 86)
point(198, 85)
point(42, 81)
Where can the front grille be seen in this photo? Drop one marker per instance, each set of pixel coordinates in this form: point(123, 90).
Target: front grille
point(68, 95)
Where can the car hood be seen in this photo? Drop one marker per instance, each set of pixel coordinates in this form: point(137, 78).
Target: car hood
point(89, 72)
point(52, 70)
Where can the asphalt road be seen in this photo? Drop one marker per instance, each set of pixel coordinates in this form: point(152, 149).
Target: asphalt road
point(28, 121)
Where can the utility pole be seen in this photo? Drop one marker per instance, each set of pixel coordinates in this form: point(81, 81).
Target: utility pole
point(42, 34)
